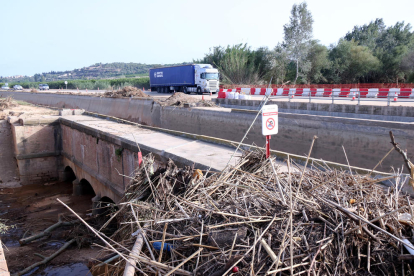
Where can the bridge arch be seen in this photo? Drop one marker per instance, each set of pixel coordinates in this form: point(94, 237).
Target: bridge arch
point(69, 174)
point(87, 180)
point(85, 188)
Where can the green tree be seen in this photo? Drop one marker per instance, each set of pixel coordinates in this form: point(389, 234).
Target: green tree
point(351, 62)
point(394, 43)
point(279, 63)
point(389, 45)
point(407, 66)
point(367, 35)
point(239, 64)
point(298, 33)
point(318, 58)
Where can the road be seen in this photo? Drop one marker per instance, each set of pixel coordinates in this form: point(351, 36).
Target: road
point(206, 96)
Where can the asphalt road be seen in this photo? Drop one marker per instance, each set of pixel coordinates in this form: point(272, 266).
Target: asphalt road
point(206, 96)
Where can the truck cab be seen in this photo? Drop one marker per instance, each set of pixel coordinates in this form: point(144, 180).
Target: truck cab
point(206, 78)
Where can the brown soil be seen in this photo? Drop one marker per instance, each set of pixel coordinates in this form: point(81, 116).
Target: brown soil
point(6, 103)
point(10, 107)
point(179, 99)
point(32, 209)
point(126, 92)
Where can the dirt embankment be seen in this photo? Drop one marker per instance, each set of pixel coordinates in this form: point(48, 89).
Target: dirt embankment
point(6, 103)
point(176, 99)
point(126, 92)
point(181, 99)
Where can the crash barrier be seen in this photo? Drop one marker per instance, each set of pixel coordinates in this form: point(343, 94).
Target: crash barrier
point(237, 93)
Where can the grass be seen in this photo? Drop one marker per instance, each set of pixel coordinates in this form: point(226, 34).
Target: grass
point(24, 103)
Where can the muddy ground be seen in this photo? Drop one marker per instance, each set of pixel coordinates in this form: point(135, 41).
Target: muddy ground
point(31, 209)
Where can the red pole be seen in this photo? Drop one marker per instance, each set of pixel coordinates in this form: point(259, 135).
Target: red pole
point(268, 146)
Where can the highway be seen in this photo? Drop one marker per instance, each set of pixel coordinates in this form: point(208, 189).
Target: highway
point(206, 96)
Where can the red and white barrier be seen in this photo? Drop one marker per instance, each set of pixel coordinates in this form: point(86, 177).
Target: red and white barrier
point(327, 92)
point(316, 92)
point(336, 92)
point(298, 92)
point(405, 93)
point(383, 93)
point(344, 92)
point(372, 92)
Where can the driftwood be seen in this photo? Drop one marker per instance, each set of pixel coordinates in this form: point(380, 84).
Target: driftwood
point(136, 250)
point(45, 259)
point(318, 221)
point(46, 232)
point(408, 164)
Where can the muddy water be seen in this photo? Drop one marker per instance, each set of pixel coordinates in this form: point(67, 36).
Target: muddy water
point(32, 209)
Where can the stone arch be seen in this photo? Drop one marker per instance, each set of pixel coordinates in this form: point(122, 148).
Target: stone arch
point(84, 188)
point(68, 174)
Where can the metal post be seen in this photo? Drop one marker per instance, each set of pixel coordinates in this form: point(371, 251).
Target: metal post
point(359, 96)
point(310, 94)
point(332, 95)
point(289, 95)
point(388, 99)
point(268, 146)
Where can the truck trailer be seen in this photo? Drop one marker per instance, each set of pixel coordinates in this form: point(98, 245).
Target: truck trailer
point(198, 78)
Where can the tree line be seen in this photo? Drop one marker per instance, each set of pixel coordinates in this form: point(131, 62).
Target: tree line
point(103, 84)
point(372, 53)
point(119, 70)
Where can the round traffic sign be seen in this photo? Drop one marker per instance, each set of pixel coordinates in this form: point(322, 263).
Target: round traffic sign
point(270, 123)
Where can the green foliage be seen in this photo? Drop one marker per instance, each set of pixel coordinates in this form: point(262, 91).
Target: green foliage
point(351, 62)
point(279, 64)
point(118, 153)
point(97, 71)
point(238, 64)
point(298, 33)
point(90, 84)
point(318, 56)
point(5, 228)
point(390, 45)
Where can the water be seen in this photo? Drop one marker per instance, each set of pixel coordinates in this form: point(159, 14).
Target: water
point(77, 269)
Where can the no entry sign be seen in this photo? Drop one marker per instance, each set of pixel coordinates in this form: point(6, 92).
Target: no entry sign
point(270, 120)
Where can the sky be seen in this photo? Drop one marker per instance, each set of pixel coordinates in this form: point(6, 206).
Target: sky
point(49, 35)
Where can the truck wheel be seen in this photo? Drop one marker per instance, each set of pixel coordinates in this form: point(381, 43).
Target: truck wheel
point(185, 91)
point(199, 91)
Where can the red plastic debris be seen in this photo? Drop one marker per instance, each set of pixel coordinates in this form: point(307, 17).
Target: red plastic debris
point(235, 269)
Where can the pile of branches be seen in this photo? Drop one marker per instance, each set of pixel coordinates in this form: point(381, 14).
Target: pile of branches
point(257, 218)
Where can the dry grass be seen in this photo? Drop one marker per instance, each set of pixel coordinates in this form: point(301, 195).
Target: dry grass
point(261, 220)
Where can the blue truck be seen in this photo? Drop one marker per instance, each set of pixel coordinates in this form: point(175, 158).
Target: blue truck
point(198, 78)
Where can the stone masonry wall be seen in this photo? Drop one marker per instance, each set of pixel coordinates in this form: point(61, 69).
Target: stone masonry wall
point(37, 149)
point(8, 166)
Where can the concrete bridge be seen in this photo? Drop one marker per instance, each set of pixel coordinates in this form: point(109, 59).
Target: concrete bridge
point(362, 130)
point(100, 155)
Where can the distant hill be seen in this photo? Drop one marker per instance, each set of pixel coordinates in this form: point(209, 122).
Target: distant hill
point(95, 71)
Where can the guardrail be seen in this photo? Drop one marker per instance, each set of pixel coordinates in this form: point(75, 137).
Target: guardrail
point(357, 97)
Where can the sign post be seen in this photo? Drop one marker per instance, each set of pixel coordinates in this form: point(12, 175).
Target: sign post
point(270, 124)
point(66, 85)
